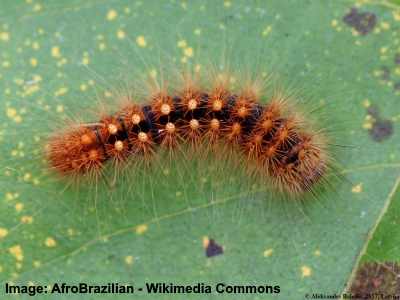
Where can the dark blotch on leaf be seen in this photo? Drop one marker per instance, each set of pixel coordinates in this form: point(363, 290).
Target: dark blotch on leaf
point(213, 249)
point(372, 277)
point(385, 73)
point(381, 128)
point(397, 59)
point(362, 22)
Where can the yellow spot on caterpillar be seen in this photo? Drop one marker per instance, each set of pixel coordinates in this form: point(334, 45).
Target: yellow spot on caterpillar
point(17, 252)
point(357, 188)
point(129, 260)
point(83, 87)
point(141, 41)
point(50, 242)
point(19, 207)
point(305, 271)
point(188, 52)
point(317, 252)
point(61, 91)
point(383, 50)
point(120, 34)
point(55, 52)
point(33, 62)
point(140, 229)
point(334, 23)
point(268, 252)
point(3, 232)
point(35, 45)
point(26, 220)
point(111, 15)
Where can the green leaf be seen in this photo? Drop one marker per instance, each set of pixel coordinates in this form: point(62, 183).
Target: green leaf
point(59, 58)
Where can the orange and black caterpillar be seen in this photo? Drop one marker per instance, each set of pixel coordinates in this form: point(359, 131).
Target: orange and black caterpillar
point(281, 145)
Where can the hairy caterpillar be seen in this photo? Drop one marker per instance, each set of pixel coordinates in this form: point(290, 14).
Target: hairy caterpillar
point(273, 140)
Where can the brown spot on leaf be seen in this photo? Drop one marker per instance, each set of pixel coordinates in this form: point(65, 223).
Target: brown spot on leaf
point(375, 277)
point(213, 249)
point(381, 128)
point(362, 22)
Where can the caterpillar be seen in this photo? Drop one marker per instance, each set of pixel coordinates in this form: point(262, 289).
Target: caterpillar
point(273, 140)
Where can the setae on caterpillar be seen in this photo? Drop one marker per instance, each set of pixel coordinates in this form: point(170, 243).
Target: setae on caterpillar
point(273, 140)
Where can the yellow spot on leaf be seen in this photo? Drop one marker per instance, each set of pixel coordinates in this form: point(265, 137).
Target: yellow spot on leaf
point(385, 25)
point(61, 91)
point(227, 3)
point(141, 41)
point(3, 232)
point(153, 73)
point(334, 23)
point(37, 7)
point(357, 188)
point(396, 15)
point(366, 103)
point(33, 62)
point(111, 15)
point(60, 108)
point(129, 260)
point(140, 229)
point(37, 263)
point(55, 52)
point(50, 242)
point(317, 252)
point(306, 271)
point(19, 207)
point(4, 36)
point(182, 44)
point(267, 30)
point(17, 252)
point(26, 219)
point(11, 112)
point(85, 60)
point(120, 34)
point(268, 252)
point(188, 52)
